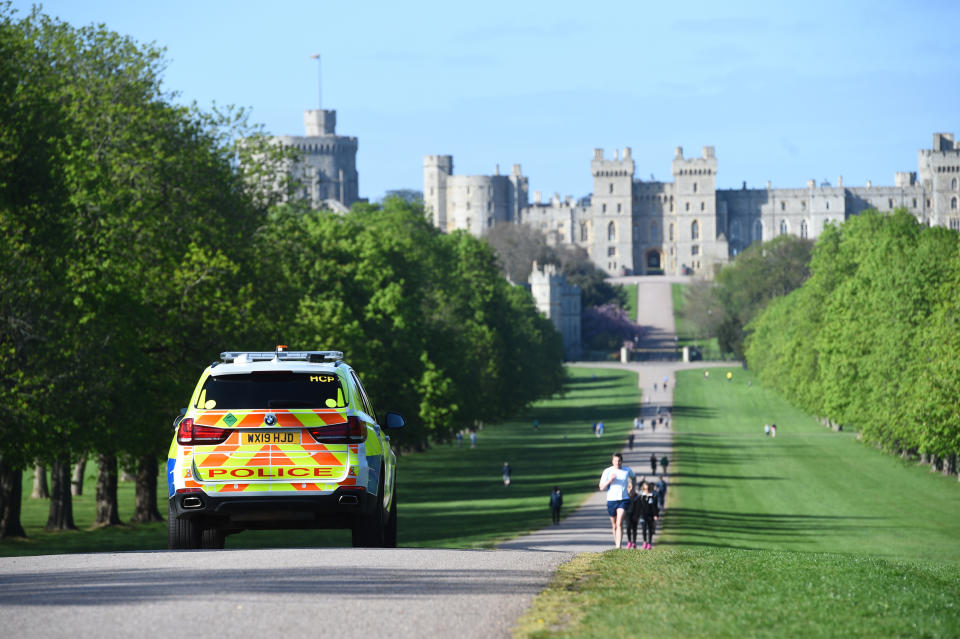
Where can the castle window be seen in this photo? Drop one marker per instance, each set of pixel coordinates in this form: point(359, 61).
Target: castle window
point(695, 250)
point(612, 232)
point(803, 229)
point(603, 208)
point(611, 251)
point(783, 227)
point(914, 202)
point(783, 206)
point(468, 206)
point(671, 231)
point(489, 222)
point(468, 189)
point(611, 187)
point(687, 206)
point(703, 205)
point(694, 187)
point(618, 207)
point(468, 222)
point(654, 231)
point(583, 232)
point(695, 230)
point(828, 204)
point(954, 224)
point(928, 203)
point(489, 206)
point(953, 204)
point(953, 184)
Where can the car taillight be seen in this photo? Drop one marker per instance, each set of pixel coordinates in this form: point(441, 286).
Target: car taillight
point(192, 434)
point(352, 430)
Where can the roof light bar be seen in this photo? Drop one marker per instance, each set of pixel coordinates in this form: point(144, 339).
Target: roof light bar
point(239, 357)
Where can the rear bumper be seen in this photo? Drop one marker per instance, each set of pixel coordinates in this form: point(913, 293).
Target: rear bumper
point(337, 510)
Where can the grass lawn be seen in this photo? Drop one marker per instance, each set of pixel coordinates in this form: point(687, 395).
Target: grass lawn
point(449, 496)
point(631, 307)
point(807, 534)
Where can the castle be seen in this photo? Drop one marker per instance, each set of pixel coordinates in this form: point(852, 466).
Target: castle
point(327, 170)
point(688, 226)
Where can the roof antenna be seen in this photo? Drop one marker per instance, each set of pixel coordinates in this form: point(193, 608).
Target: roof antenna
point(316, 57)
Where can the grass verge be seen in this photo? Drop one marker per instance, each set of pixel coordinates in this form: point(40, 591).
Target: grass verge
point(810, 533)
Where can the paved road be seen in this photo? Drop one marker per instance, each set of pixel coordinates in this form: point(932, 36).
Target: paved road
point(348, 592)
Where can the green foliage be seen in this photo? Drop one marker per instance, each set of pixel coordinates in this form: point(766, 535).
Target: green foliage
point(870, 339)
point(763, 272)
point(426, 318)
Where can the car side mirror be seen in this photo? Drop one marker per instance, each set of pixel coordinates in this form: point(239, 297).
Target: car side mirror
point(179, 418)
point(394, 420)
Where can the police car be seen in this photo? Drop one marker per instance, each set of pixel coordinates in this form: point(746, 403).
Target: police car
point(277, 440)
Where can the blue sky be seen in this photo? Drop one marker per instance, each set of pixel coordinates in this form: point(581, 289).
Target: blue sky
point(785, 92)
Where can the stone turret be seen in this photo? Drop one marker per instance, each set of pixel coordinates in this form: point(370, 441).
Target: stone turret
point(612, 203)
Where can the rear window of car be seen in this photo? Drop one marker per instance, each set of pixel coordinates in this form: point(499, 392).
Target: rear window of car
point(272, 390)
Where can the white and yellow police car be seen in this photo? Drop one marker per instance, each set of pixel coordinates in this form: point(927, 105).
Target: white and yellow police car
point(277, 440)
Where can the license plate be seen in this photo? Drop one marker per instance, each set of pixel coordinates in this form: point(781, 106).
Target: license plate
point(268, 438)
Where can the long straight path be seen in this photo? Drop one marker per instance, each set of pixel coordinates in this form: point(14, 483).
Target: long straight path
point(587, 529)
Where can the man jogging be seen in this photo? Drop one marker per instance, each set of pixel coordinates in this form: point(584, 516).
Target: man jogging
point(617, 481)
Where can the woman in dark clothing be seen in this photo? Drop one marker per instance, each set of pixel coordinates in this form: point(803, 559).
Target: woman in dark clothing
point(649, 512)
point(632, 518)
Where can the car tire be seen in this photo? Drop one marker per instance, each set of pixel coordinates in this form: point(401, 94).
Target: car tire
point(368, 530)
point(213, 538)
point(390, 533)
point(182, 534)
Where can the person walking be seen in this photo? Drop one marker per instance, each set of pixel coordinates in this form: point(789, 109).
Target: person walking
point(653, 463)
point(630, 441)
point(661, 491)
point(617, 480)
point(636, 423)
point(473, 439)
point(506, 474)
point(599, 429)
point(650, 513)
point(665, 383)
point(664, 462)
point(556, 503)
point(766, 429)
point(632, 518)
point(773, 430)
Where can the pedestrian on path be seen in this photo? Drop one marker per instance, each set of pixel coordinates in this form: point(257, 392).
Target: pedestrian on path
point(665, 383)
point(630, 441)
point(556, 503)
point(653, 463)
point(632, 518)
point(506, 474)
point(766, 429)
point(641, 424)
point(473, 439)
point(664, 462)
point(617, 481)
point(660, 488)
point(599, 429)
point(650, 513)
point(636, 423)
point(773, 430)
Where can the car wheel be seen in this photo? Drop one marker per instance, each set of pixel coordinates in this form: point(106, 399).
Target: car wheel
point(390, 533)
point(213, 538)
point(182, 534)
point(368, 530)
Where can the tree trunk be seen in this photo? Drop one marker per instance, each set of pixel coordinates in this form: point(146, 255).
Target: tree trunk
point(76, 486)
point(11, 498)
point(40, 488)
point(61, 502)
point(950, 464)
point(145, 508)
point(108, 510)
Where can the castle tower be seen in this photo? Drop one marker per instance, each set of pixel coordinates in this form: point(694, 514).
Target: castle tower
point(436, 169)
point(696, 229)
point(327, 169)
point(611, 245)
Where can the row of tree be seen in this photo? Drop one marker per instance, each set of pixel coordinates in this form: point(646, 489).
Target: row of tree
point(138, 241)
point(872, 339)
